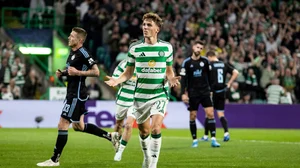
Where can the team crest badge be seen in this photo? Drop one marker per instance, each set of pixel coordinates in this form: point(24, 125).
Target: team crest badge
point(73, 57)
point(161, 53)
point(201, 64)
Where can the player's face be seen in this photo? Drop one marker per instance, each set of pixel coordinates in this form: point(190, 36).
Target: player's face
point(209, 59)
point(197, 48)
point(150, 29)
point(73, 39)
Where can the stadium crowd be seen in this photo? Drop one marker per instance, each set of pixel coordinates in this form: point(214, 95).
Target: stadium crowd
point(17, 81)
point(260, 38)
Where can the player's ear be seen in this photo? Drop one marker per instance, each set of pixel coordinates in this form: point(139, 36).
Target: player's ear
point(157, 30)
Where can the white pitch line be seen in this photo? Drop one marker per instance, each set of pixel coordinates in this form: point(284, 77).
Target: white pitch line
point(253, 141)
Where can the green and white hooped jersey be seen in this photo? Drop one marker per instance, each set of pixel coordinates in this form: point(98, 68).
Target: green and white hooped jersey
point(150, 63)
point(126, 91)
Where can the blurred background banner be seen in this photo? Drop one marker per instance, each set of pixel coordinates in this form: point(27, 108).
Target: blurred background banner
point(57, 93)
point(22, 114)
point(259, 116)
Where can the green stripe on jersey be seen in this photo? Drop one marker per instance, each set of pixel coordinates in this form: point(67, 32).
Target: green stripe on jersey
point(149, 91)
point(130, 64)
point(147, 59)
point(151, 49)
point(130, 55)
point(150, 81)
point(127, 91)
point(169, 63)
point(115, 75)
point(120, 69)
point(145, 100)
point(124, 99)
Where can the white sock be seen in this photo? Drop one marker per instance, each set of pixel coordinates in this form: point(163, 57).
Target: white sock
point(226, 133)
point(205, 136)
point(145, 145)
point(213, 138)
point(121, 148)
point(155, 145)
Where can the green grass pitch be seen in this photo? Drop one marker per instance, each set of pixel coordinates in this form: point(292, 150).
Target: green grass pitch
point(248, 148)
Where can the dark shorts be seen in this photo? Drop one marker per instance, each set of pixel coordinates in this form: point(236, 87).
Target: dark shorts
point(194, 102)
point(219, 101)
point(73, 109)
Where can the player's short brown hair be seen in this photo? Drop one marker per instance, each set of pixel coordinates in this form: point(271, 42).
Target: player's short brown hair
point(199, 42)
point(153, 16)
point(80, 32)
point(210, 54)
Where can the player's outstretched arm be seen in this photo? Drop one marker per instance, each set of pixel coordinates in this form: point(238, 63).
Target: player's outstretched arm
point(93, 72)
point(173, 80)
point(127, 74)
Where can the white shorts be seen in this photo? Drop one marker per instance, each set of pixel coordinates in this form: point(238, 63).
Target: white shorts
point(147, 109)
point(123, 112)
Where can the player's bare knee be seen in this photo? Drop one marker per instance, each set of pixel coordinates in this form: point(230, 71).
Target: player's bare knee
point(220, 114)
point(209, 111)
point(63, 124)
point(128, 127)
point(156, 129)
point(144, 132)
point(193, 116)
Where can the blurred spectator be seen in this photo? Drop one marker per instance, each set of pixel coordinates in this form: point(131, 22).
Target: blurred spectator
point(14, 89)
point(31, 85)
point(297, 88)
point(286, 99)
point(18, 71)
point(94, 90)
point(59, 7)
point(274, 92)
point(5, 94)
point(123, 47)
point(267, 75)
point(233, 94)
point(5, 72)
point(246, 98)
point(83, 8)
point(38, 7)
point(70, 20)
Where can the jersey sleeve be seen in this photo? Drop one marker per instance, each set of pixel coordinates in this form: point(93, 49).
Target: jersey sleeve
point(229, 68)
point(119, 69)
point(130, 58)
point(88, 60)
point(169, 60)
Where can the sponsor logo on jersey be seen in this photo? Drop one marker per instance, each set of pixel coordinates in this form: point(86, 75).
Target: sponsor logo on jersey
point(152, 70)
point(73, 57)
point(197, 73)
point(151, 63)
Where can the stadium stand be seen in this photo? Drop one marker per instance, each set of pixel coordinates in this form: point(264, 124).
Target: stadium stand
point(260, 39)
